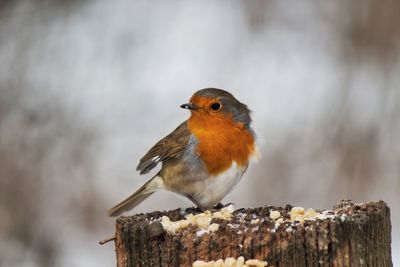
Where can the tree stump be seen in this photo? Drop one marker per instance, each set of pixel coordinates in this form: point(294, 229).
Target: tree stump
point(348, 235)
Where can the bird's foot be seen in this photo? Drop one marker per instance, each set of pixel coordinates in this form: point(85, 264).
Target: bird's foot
point(221, 206)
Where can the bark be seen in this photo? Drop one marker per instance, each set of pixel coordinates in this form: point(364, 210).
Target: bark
point(348, 235)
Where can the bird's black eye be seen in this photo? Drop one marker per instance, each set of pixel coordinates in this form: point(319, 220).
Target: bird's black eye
point(215, 106)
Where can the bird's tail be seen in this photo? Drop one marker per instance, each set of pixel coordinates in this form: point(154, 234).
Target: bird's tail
point(133, 200)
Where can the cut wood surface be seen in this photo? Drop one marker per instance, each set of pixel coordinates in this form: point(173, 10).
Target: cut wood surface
point(348, 235)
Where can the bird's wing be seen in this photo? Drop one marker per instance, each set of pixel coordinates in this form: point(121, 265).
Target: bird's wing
point(169, 147)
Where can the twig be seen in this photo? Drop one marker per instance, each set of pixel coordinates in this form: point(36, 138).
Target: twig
point(102, 242)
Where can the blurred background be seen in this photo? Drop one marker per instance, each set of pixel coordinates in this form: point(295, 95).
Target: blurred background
point(86, 87)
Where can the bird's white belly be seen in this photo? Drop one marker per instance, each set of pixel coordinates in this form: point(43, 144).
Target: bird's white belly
point(211, 191)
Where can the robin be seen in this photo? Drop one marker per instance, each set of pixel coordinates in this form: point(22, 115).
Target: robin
point(205, 157)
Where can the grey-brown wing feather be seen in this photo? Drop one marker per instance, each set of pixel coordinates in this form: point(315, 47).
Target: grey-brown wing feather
point(171, 146)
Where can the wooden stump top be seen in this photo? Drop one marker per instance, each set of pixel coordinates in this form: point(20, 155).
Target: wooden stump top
point(348, 235)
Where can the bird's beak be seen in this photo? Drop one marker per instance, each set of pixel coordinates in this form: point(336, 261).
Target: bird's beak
point(189, 106)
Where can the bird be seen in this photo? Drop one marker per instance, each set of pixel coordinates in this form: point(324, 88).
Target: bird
point(205, 157)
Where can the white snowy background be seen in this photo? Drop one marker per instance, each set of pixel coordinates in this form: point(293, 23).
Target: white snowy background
point(86, 87)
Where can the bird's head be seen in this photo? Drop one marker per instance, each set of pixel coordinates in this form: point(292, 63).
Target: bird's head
point(218, 104)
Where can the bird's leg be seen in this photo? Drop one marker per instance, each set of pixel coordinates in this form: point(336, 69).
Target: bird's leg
point(199, 206)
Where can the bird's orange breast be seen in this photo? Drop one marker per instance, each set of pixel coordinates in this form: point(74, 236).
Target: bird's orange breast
point(221, 141)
